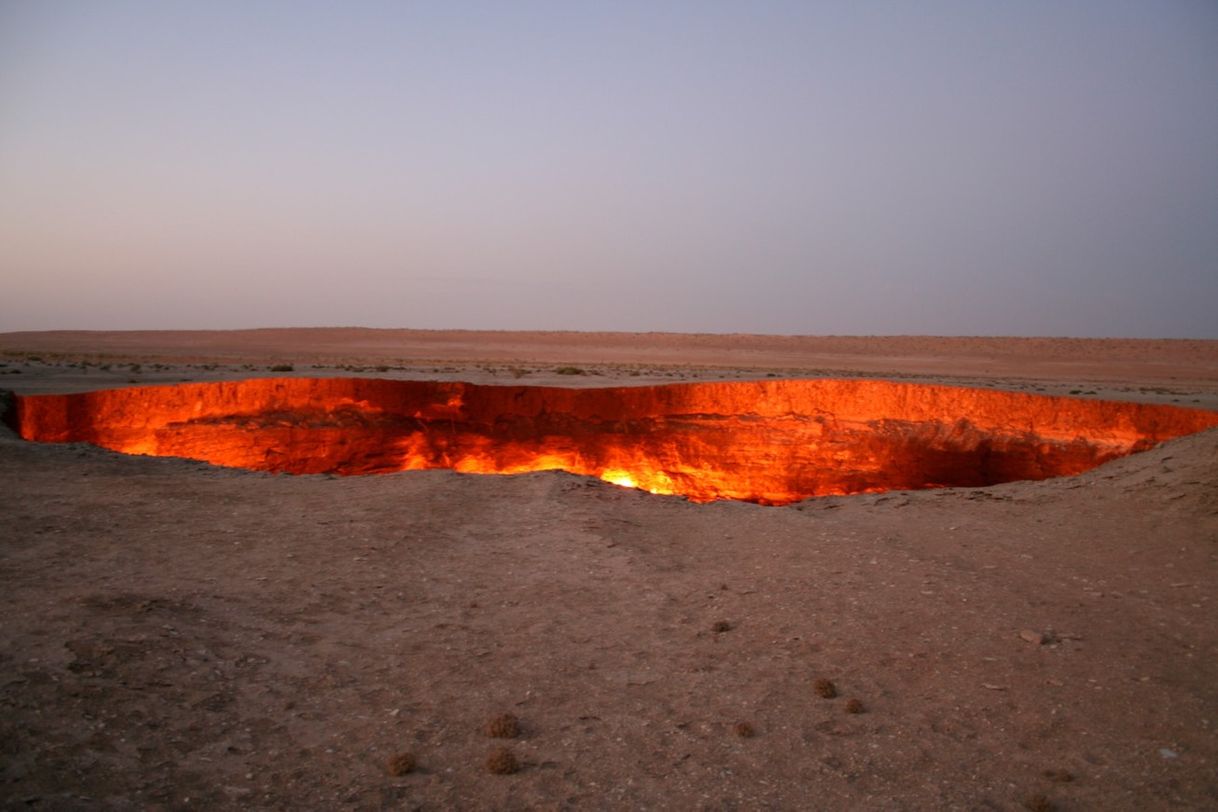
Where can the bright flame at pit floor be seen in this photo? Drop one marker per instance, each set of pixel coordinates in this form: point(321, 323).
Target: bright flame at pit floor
point(625, 480)
point(772, 441)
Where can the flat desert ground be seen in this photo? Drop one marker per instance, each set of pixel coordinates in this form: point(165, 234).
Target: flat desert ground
point(175, 635)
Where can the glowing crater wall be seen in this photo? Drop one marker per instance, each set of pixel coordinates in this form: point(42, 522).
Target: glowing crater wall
point(772, 442)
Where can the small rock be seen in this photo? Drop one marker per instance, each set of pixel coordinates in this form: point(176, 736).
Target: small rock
point(1033, 636)
point(1167, 752)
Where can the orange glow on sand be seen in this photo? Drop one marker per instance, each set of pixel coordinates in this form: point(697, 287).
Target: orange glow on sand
point(772, 442)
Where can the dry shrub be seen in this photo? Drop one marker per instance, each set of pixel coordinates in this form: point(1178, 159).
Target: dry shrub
point(744, 730)
point(1039, 803)
point(401, 764)
point(855, 706)
point(502, 762)
point(721, 626)
point(1060, 776)
point(504, 726)
point(825, 688)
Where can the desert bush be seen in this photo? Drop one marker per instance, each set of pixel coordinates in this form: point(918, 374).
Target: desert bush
point(401, 764)
point(504, 726)
point(1039, 803)
point(502, 762)
point(825, 688)
point(283, 368)
point(570, 371)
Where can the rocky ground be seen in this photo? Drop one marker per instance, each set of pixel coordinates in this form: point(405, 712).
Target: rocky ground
point(174, 635)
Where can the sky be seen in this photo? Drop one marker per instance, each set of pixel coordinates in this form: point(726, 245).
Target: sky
point(865, 168)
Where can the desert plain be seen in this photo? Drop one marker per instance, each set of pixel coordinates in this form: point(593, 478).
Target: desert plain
point(177, 635)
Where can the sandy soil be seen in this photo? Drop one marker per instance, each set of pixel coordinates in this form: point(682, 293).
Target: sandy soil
point(1160, 371)
point(174, 635)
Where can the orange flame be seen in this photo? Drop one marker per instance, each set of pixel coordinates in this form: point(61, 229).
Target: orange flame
point(772, 442)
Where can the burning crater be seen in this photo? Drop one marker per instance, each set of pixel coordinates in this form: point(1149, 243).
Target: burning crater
point(772, 442)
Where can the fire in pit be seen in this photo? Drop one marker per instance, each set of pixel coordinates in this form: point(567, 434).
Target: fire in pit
point(772, 442)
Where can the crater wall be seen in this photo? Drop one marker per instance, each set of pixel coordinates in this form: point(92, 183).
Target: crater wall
point(772, 442)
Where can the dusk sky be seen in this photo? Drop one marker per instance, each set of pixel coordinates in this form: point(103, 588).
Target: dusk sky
point(944, 168)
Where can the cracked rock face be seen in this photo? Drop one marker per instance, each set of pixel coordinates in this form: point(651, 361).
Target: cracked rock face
point(772, 442)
